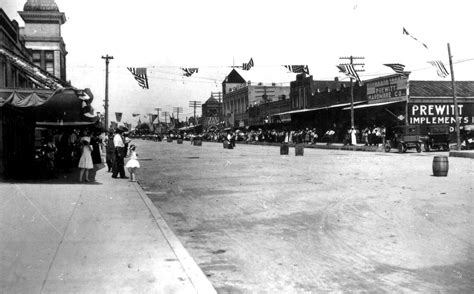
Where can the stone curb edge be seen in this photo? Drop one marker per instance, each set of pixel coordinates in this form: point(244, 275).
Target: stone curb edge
point(199, 280)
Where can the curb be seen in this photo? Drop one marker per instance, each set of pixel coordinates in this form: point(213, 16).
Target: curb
point(464, 154)
point(199, 280)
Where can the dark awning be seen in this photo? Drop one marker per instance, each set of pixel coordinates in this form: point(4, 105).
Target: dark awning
point(65, 106)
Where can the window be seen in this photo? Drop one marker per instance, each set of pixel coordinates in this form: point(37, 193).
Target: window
point(49, 61)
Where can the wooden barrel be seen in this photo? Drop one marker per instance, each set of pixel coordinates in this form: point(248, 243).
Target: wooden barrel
point(179, 141)
point(169, 139)
point(225, 144)
point(440, 166)
point(197, 142)
point(299, 150)
point(284, 149)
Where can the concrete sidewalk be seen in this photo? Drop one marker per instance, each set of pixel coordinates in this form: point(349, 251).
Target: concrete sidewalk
point(59, 236)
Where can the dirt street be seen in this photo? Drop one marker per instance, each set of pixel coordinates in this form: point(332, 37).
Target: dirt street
point(328, 221)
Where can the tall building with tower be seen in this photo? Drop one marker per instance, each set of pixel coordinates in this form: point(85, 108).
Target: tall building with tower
point(42, 35)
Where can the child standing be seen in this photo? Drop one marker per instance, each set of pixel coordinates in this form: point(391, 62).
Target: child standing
point(132, 164)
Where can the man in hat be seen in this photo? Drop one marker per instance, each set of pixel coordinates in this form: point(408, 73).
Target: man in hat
point(120, 153)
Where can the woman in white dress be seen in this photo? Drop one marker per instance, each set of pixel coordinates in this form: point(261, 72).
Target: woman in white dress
point(85, 162)
point(133, 164)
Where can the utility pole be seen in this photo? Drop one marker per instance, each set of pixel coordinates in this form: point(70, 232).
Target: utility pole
point(166, 113)
point(456, 111)
point(106, 104)
point(178, 110)
point(351, 62)
point(195, 104)
point(158, 113)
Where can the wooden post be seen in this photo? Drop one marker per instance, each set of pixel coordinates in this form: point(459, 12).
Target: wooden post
point(456, 110)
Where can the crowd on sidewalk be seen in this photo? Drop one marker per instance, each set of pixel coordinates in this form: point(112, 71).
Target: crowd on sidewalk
point(369, 136)
point(62, 151)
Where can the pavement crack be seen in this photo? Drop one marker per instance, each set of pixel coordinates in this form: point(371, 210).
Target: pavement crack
point(23, 194)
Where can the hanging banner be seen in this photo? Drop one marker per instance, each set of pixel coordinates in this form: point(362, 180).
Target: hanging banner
point(118, 116)
point(389, 89)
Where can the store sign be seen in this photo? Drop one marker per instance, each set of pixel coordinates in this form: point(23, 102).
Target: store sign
point(440, 114)
point(387, 90)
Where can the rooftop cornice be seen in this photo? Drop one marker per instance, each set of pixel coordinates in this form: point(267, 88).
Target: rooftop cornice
point(43, 16)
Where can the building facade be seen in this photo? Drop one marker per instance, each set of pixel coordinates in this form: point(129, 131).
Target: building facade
point(42, 35)
point(243, 100)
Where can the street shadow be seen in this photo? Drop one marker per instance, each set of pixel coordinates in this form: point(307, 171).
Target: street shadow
point(58, 178)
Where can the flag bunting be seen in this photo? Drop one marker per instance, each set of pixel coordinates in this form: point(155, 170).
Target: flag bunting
point(118, 116)
point(189, 71)
point(139, 74)
point(397, 67)
point(349, 70)
point(297, 68)
point(440, 69)
point(248, 66)
point(405, 32)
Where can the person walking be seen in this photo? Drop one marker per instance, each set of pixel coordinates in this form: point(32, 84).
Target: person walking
point(133, 164)
point(120, 152)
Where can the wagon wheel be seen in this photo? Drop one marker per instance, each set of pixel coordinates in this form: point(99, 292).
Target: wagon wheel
point(418, 147)
point(387, 147)
point(400, 148)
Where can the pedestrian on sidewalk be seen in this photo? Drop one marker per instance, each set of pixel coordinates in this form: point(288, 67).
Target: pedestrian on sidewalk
point(133, 164)
point(85, 162)
point(95, 154)
point(110, 150)
point(120, 153)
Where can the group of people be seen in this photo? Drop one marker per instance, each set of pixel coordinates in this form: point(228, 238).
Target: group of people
point(117, 148)
point(67, 149)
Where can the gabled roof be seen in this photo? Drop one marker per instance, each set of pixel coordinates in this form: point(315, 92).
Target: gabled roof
point(441, 89)
point(212, 100)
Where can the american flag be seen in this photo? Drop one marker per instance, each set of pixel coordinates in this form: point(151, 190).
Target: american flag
point(189, 71)
point(139, 74)
point(349, 70)
point(398, 68)
point(440, 69)
point(298, 68)
point(248, 66)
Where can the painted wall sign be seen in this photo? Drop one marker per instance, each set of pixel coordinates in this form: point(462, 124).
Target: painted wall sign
point(440, 114)
point(387, 89)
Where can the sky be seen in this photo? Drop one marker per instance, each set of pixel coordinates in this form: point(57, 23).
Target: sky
point(213, 35)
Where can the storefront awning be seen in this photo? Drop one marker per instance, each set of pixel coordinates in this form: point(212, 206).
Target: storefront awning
point(53, 102)
point(319, 108)
point(63, 107)
point(373, 104)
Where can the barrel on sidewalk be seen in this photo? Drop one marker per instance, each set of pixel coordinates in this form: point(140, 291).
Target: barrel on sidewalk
point(179, 141)
point(440, 166)
point(197, 142)
point(299, 150)
point(284, 149)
